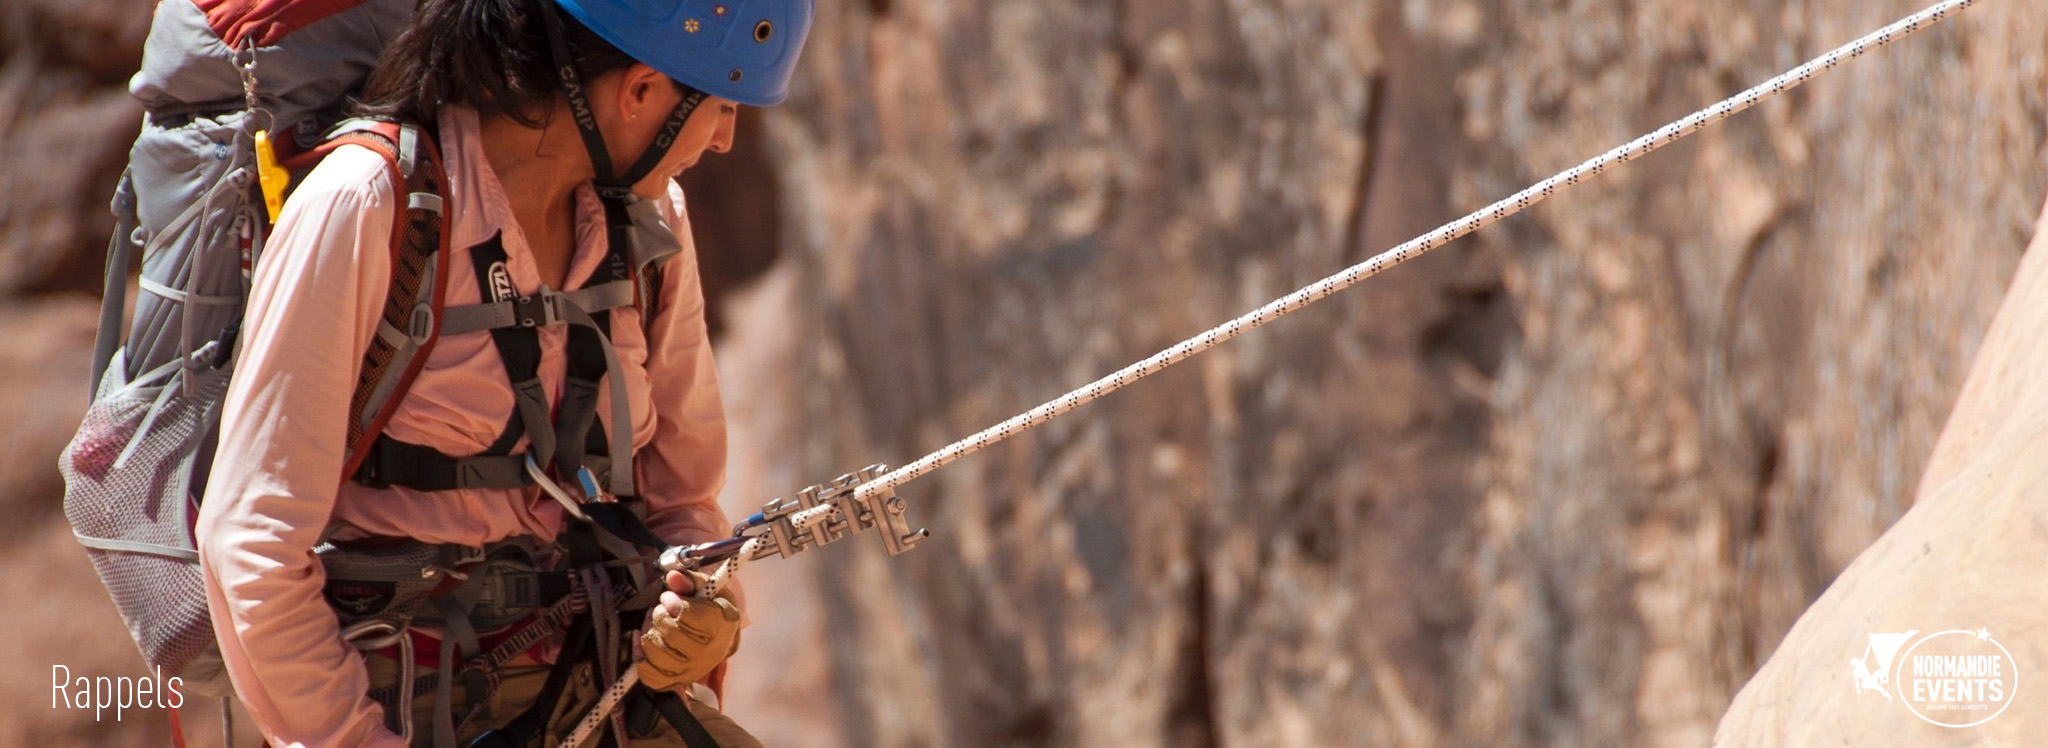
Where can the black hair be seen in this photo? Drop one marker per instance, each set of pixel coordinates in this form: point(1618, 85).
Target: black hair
point(491, 55)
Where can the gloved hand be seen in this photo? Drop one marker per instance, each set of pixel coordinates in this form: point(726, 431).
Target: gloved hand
point(687, 636)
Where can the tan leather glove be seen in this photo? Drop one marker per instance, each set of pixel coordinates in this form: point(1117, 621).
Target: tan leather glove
point(677, 650)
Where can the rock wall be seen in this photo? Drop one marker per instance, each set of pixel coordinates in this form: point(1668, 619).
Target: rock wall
point(1967, 550)
point(1566, 482)
point(65, 125)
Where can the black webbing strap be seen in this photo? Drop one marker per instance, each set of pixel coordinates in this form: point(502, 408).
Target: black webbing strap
point(678, 716)
point(617, 518)
point(579, 541)
point(391, 462)
point(519, 350)
point(577, 430)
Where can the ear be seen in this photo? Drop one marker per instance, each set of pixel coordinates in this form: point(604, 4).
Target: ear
point(640, 89)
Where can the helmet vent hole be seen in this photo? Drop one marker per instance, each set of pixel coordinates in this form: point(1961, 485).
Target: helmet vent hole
point(736, 75)
point(763, 30)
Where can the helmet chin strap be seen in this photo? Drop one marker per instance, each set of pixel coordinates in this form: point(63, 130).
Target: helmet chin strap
point(613, 188)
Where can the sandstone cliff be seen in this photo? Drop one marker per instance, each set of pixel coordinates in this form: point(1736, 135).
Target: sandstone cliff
point(1566, 483)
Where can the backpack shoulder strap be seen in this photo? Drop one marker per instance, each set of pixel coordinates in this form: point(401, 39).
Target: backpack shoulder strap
point(407, 329)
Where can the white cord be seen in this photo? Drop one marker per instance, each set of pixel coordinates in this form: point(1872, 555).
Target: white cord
point(601, 713)
point(729, 568)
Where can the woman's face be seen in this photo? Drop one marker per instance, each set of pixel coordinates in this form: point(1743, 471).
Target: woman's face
point(640, 100)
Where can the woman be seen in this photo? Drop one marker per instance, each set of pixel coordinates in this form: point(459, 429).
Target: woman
point(560, 125)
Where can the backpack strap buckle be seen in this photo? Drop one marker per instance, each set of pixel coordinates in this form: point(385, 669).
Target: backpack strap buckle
point(420, 326)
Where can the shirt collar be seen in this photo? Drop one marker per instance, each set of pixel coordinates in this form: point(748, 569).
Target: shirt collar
point(478, 208)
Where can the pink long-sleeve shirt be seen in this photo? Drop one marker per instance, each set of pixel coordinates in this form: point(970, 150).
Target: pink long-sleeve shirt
point(276, 482)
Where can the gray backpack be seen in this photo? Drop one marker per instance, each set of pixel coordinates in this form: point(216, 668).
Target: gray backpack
point(190, 201)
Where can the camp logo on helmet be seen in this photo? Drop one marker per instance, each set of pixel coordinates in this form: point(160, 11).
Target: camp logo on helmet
point(579, 107)
point(671, 129)
point(1954, 678)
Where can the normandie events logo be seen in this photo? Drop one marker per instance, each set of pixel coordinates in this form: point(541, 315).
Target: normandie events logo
point(1954, 678)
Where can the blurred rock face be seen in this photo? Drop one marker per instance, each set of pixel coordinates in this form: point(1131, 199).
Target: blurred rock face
point(1564, 483)
point(65, 125)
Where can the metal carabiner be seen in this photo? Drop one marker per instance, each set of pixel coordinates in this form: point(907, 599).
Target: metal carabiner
point(540, 478)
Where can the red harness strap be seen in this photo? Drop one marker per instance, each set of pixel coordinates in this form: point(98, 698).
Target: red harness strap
point(177, 729)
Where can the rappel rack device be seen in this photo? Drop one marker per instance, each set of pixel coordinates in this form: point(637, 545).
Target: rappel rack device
point(819, 515)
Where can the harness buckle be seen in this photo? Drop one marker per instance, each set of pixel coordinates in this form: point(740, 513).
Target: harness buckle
point(539, 310)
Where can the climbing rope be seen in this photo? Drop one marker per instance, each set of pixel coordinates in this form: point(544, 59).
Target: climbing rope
point(1290, 303)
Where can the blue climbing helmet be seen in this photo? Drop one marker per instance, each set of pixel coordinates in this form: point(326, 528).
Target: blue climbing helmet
point(743, 50)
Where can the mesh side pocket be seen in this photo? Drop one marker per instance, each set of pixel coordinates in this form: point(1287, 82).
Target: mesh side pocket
point(127, 481)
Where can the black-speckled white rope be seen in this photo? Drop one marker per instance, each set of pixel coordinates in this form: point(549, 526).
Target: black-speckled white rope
point(594, 720)
point(730, 567)
point(1516, 203)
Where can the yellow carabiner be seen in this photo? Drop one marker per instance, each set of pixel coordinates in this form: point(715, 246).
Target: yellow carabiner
point(273, 177)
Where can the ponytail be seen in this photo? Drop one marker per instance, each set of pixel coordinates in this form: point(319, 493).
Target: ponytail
point(491, 55)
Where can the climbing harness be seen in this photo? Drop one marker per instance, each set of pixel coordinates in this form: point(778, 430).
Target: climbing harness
point(608, 574)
